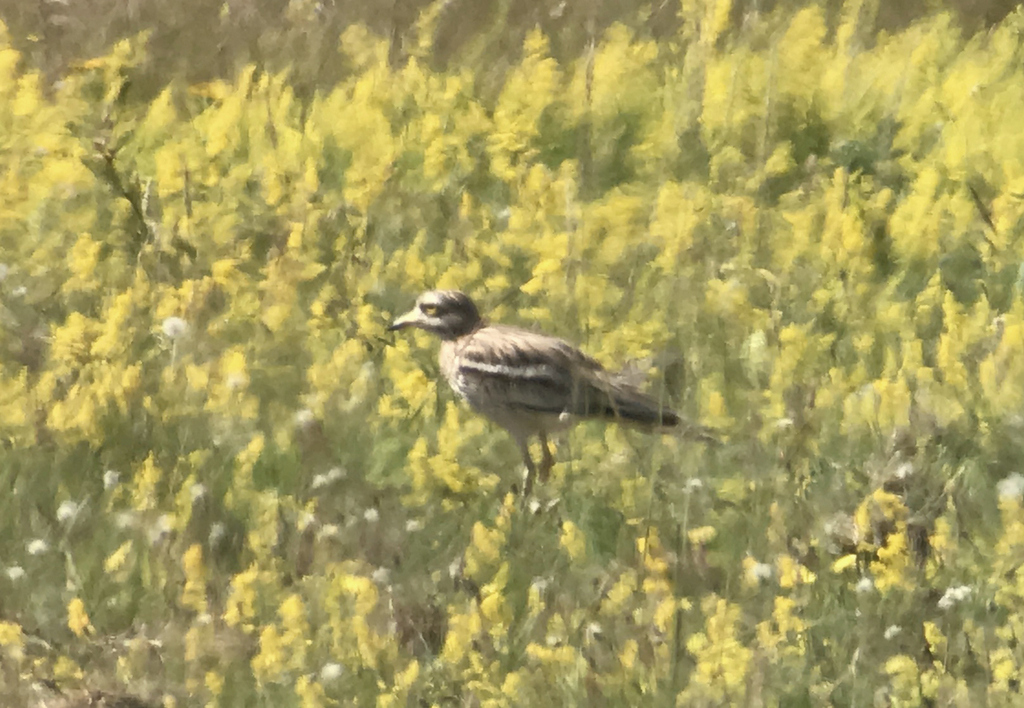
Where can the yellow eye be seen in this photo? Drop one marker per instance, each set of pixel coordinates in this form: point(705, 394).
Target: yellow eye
point(429, 310)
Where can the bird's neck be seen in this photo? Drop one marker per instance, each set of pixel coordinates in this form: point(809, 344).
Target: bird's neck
point(462, 330)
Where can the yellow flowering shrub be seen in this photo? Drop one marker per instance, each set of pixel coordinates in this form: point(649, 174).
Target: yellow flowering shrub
point(226, 484)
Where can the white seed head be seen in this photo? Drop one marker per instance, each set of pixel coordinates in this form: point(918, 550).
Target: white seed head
point(304, 418)
point(1011, 487)
point(37, 547)
point(761, 571)
point(305, 520)
point(953, 595)
point(174, 328)
point(905, 470)
point(693, 485)
point(235, 381)
point(217, 533)
point(329, 531)
point(111, 478)
point(336, 474)
point(160, 529)
point(67, 511)
point(327, 478)
point(331, 672)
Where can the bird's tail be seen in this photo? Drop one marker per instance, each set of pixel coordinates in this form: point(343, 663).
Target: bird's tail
point(628, 405)
point(639, 408)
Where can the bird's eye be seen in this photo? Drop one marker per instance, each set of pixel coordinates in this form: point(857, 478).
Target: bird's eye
point(429, 310)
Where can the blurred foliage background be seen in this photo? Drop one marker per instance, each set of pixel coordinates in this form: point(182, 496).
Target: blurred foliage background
point(202, 40)
point(229, 486)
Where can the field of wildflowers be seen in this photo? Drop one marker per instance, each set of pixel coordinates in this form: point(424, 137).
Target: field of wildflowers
point(225, 485)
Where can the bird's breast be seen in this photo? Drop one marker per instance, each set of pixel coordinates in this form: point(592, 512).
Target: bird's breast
point(451, 370)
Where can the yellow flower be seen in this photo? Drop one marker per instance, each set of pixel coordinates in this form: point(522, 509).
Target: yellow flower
point(702, 535)
point(620, 593)
point(937, 642)
point(145, 483)
point(493, 608)
point(484, 549)
point(1005, 669)
point(841, 564)
point(66, 669)
point(792, 573)
point(214, 682)
point(10, 635)
point(194, 593)
point(574, 541)
point(311, 694)
point(628, 654)
point(904, 674)
point(722, 660)
point(463, 629)
point(241, 603)
point(115, 560)
point(270, 662)
point(893, 565)
point(78, 619)
point(786, 615)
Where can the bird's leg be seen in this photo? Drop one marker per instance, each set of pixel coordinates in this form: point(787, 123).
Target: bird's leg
point(531, 469)
point(547, 461)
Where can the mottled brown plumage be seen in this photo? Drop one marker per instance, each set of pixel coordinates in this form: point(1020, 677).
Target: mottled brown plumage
point(528, 383)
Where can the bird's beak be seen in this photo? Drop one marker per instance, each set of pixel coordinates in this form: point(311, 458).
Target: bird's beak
point(409, 319)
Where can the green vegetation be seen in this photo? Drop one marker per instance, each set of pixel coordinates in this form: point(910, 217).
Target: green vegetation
point(225, 485)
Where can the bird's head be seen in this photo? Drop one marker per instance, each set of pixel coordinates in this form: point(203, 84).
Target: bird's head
point(447, 313)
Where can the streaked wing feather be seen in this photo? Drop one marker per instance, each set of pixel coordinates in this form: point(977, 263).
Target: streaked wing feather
point(543, 374)
point(524, 369)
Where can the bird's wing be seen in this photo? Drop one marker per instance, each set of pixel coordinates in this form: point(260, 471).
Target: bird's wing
point(521, 369)
point(517, 368)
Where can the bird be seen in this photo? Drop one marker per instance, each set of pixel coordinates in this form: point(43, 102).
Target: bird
point(529, 383)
